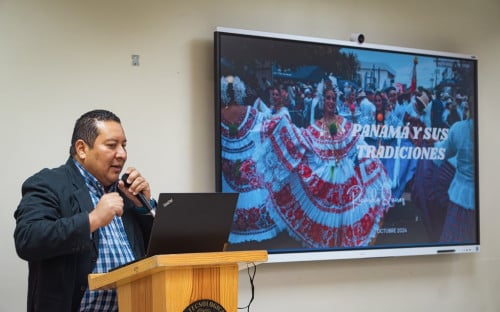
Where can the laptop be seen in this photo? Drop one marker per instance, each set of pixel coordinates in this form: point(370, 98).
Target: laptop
point(191, 223)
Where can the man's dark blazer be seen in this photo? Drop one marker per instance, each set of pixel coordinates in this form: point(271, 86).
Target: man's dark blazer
point(53, 234)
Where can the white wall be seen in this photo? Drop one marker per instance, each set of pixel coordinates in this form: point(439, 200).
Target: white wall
point(60, 58)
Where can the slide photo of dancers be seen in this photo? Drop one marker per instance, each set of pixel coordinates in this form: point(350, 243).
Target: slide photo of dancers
point(335, 146)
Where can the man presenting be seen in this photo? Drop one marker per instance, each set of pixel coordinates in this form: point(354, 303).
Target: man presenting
point(80, 218)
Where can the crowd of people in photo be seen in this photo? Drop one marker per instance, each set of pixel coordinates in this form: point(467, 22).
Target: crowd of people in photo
point(305, 180)
point(291, 150)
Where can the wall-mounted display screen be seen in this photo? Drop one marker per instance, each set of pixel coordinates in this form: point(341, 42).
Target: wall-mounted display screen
point(342, 149)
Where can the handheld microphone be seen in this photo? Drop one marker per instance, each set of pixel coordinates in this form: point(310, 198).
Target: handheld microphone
point(145, 203)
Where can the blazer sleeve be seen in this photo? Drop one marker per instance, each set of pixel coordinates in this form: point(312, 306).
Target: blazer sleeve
point(50, 221)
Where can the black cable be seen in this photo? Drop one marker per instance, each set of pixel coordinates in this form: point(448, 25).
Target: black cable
point(251, 276)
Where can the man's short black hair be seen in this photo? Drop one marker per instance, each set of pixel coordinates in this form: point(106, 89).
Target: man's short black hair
point(86, 127)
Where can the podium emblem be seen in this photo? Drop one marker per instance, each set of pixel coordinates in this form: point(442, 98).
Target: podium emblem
point(204, 305)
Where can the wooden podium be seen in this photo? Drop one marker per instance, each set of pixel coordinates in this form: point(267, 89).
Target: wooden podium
point(175, 282)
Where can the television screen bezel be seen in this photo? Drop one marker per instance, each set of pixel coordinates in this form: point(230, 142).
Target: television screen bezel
point(365, 252)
